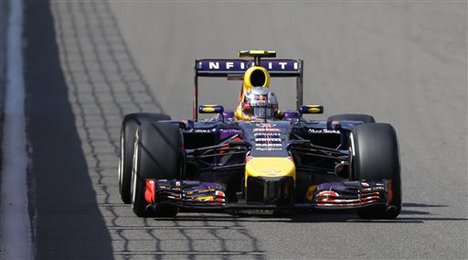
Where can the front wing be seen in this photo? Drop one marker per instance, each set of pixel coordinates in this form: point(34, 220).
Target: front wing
point(212, 196)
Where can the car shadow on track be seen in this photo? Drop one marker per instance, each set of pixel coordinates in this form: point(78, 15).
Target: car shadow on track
point(422, 205)
point(407, 215)
point(316, 216)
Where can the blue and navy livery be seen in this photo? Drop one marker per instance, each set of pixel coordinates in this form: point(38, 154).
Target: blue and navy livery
point(276, 164)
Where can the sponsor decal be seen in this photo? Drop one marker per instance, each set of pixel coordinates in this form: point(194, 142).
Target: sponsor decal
point(260, 139)
point(267, 137)
point(269, 134)
point(198, 130)
point(268, 149)
point(269, 145)
point(260, 97)
point(267, 130)
point(266, 125)
point(241, 65)
point(323, 131)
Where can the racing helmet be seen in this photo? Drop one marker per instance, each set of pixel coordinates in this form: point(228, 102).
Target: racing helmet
point(260, 102)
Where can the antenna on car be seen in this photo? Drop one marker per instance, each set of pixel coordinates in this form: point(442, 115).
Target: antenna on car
point(257, 55)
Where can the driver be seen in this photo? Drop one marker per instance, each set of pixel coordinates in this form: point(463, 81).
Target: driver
point(259, 103)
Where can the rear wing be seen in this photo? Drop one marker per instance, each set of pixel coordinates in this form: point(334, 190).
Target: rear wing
point(232, 68)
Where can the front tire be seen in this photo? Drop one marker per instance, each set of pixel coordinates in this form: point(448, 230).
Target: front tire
point(130, 124)
point(376, 157)
point(158, 155)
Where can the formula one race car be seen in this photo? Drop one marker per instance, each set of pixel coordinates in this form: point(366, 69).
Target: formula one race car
point(258, 158)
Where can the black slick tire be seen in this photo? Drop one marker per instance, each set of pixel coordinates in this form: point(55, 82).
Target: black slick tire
point(158, 154)
point(130, 124)
point(376, 157)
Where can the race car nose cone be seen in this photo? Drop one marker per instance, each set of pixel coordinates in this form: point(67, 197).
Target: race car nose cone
point(270, 167)
point(270, 180)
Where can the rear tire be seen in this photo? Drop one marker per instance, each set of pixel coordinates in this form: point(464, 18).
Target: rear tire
point(376, 157)
point(158, 155)
point(366, 119)
point(130, 124)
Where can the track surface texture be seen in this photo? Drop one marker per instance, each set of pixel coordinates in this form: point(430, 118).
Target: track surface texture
point(88, 63)
point(4, 13)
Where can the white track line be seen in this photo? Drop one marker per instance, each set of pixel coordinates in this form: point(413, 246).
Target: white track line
point(15, 232)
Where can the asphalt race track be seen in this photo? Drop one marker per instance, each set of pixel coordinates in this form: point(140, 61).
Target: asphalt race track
point(88, 63)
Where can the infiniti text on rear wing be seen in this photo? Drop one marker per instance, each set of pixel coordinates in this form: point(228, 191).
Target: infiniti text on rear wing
point(237, 67)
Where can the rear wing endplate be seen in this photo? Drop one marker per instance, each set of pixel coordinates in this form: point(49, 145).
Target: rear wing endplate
point(237, 67)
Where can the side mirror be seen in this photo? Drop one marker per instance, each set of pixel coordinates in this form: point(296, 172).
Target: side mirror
point(310, 109)
point(210, 109)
